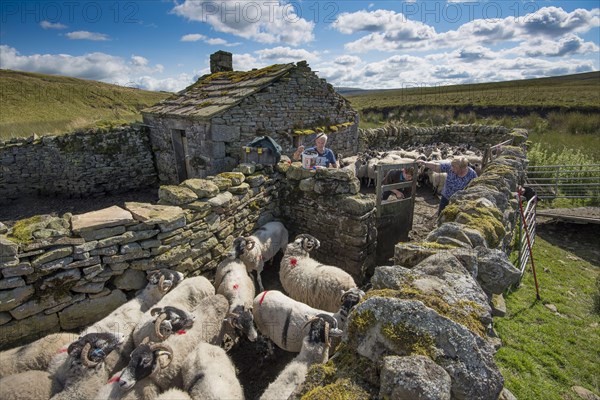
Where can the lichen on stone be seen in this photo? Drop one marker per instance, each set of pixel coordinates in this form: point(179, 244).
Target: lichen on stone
point(486, 220)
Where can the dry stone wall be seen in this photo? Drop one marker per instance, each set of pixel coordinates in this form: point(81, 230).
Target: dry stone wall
point(63, 273)
point(395, 136)
point(81, 164)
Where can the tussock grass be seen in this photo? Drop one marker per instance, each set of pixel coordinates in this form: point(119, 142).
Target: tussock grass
point(545, 353)
point(47, 104)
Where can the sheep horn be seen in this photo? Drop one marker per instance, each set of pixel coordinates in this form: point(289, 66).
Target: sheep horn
point(85, 356)
point(250, 243)
point(328, 318)
point(155, 311)
point(157, 324)
point(161, 283)
point(163, 350)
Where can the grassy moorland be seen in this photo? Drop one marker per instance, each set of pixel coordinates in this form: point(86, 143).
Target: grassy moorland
point(579, 91)
point(48, 104)
point(549, 350)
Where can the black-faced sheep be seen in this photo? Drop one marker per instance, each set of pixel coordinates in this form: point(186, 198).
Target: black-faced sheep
point(233, 282)
point(210, 313)
point(315, 350)
point(35, 355)
point(124, 319)
point(84, 370)
point(209, 374)
point(309, 281)
point(185, 297)
point(260, 247)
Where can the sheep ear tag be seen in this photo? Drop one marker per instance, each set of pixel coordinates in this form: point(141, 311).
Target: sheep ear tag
point(114, 379)
point(181, 332)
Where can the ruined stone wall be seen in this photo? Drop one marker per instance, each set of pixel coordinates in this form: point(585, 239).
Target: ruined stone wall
point(298, 104)
point(77, 164)
point(396, 136)
point(326, 204)
point(63, 273)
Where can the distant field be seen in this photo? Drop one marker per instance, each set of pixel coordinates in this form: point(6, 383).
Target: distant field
point(580, 91)
point(48, 104)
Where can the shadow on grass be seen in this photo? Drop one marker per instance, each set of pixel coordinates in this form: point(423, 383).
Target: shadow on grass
point(579, 239)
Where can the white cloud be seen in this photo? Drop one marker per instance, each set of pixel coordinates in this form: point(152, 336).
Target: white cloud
point(85, 35)
point(265, 22)
point(286, 55)
point(50, 25)
point(347, 60)
point(390, 31)
point(97, 66)
point(194, 37)
point(139, 61)
point(569, 44)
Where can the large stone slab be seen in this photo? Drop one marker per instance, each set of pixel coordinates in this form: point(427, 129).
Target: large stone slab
point(413, 377)
point(90, 310)
point(18, 332)
point(151, 214)
point(105, 218)
point(10, 299)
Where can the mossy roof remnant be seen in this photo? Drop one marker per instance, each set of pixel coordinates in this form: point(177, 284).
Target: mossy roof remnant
point(218, 92)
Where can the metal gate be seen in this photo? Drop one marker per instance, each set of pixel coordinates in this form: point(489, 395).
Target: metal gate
point(565, 181)
point(529, 213)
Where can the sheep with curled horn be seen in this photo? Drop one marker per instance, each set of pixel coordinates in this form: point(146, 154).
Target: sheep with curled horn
point(208, 324)
point(208, 373)
point(260, 247)
point(309, 281)
point(161, 322)
point(34, 356)
point(233, 282)
point(125, 318)
point(282, 319)
point(84, 368)
point(315, 350)
point(135, 380)
point(185, 298)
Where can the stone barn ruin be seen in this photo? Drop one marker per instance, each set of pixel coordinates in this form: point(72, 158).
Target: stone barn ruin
point(201, 130)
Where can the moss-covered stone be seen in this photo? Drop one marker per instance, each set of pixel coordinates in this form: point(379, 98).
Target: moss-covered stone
point(486, 220)
point(408, 341)
point(23, 229)
point(236, 177)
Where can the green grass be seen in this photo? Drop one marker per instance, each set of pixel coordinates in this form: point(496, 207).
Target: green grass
point(545, 354)
point(579, 91)
point(48, 104)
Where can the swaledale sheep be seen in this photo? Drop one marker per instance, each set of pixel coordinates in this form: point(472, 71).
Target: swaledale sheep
point(309, 281)
point(260, 247)
point(209, 374)
point(161, 322)
point(315, 350)
point(84, 370)
point(35, 355)
point(124, 319)
point(185, 297)
point(233, 282)
point(210, 314)
point(28, 385)
point(437, 181)
point(133, 382)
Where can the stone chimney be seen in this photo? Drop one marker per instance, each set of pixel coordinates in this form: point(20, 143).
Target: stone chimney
point(221, 61)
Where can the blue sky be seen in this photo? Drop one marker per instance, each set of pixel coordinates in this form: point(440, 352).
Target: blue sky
point(165, 45)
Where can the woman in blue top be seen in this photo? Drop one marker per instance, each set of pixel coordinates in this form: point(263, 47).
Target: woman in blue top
point(459, 174)
point(325, 156)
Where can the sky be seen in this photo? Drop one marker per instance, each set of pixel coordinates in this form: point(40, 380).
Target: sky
point(166, 45)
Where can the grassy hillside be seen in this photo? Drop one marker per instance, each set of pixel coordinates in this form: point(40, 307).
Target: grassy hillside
point(580, 91)
point(42, 104)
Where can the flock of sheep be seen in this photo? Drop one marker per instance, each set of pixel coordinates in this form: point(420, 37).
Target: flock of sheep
point(166, 342)
point(364, 165)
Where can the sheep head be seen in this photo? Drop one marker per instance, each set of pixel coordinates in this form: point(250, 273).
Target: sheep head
point(349, 299)
point(242, 245)
point(170, 320)
point(91, 349)
point(164, 279)
point(242, 318)
point(307, 242)
point(146, 360)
